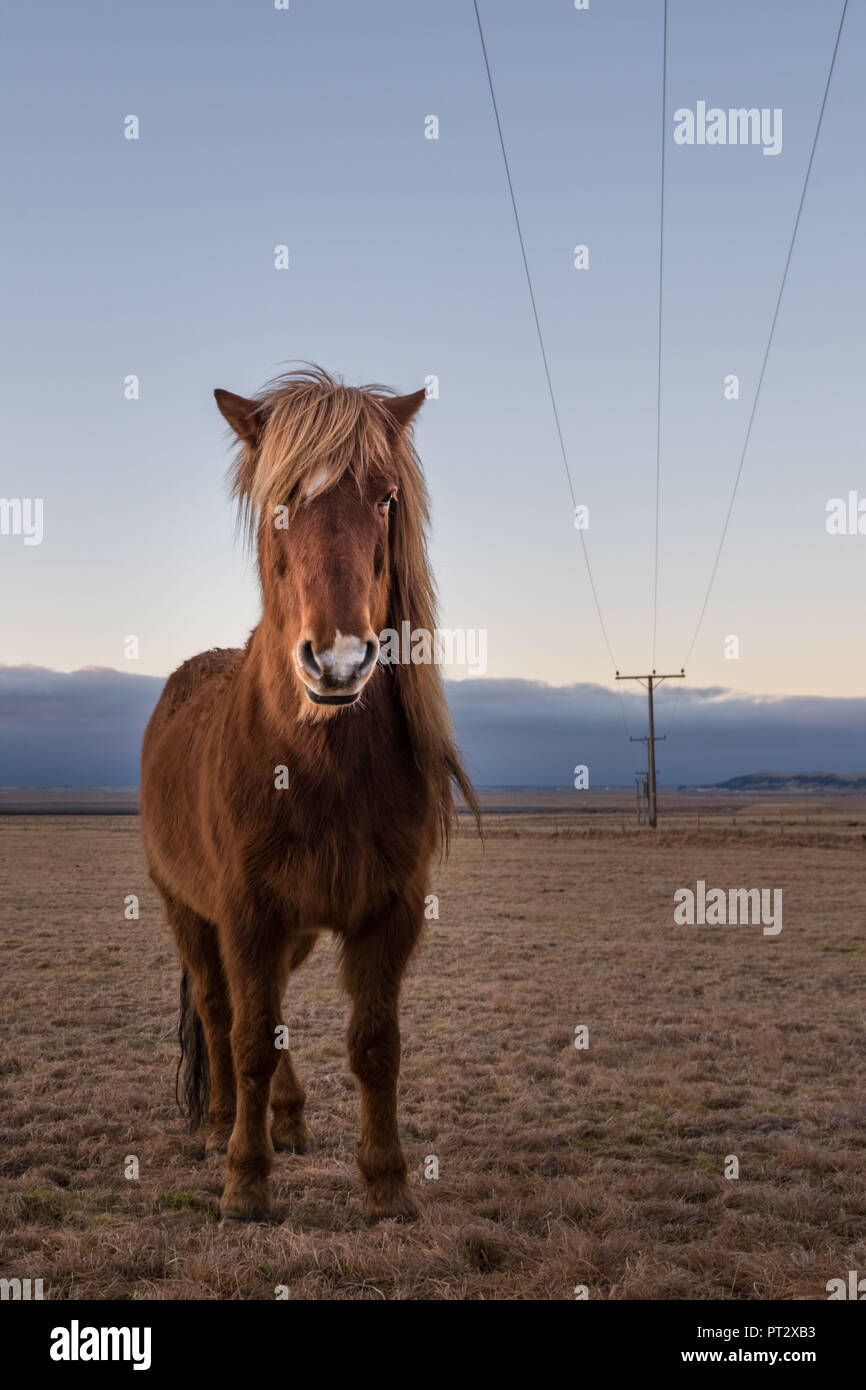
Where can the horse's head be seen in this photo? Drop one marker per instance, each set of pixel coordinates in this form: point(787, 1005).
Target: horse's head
point(321, 475)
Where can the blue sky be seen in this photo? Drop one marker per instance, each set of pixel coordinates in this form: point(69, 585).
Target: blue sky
point(306, 127)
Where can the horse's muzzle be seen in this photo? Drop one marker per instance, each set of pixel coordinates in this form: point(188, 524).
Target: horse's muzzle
point(337, 676)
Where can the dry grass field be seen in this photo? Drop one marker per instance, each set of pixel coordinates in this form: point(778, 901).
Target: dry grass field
point(557, 1167)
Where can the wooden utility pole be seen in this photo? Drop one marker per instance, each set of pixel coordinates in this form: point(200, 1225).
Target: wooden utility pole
point(652, 680)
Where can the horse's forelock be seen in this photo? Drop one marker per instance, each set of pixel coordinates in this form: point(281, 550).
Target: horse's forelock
point(314, 430)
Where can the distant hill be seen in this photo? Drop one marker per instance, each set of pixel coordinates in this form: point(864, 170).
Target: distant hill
point(795, 782)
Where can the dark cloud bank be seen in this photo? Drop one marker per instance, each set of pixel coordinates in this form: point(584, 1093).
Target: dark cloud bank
point(84, 729)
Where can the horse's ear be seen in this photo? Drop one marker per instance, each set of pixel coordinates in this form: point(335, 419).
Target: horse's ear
point(405, 408)
point(241, 414)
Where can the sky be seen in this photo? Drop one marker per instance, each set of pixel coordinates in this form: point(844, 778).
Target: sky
point(306, 127)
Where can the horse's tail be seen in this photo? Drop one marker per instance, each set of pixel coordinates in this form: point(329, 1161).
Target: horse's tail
point(192, 1082)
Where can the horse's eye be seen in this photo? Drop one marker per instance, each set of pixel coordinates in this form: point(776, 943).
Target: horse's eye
point(385, 504)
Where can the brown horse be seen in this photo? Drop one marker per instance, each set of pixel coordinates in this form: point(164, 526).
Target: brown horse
point(300, 784)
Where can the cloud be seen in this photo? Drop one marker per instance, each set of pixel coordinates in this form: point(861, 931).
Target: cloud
point(77, 728)
point(84, 728)
point(527, 733)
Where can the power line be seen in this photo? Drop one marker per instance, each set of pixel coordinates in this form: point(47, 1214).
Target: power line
point(770, 338)
point(764, 362)
point(541, 340)
point(659, 379)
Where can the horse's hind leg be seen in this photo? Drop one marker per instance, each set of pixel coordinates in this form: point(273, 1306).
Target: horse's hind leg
point(288, 1130)
point(288, 1096)
point(199, 952)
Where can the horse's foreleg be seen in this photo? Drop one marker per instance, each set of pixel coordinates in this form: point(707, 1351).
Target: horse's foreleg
point(253, 958)
point(374, 959)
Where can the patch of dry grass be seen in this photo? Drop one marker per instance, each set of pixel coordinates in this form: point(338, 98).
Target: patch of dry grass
point(557, 1167)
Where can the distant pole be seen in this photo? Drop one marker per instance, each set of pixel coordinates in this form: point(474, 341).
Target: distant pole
point(651, 759)
point(652, 680)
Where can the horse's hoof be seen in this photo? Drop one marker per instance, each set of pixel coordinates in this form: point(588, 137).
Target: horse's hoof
point(293, 1141)
point(246, 1206)
point(395, 1204)
point(217, 1141)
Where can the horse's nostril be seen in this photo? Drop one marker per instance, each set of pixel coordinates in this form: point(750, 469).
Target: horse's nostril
point(371, 656)
point(308, 661)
